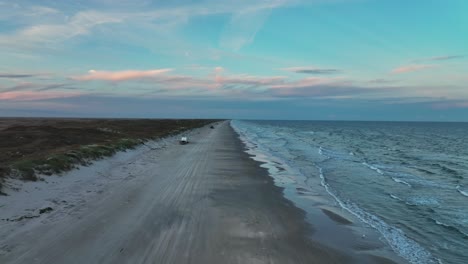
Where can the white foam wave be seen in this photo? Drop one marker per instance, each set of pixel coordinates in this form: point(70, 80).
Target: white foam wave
point(401, 181)
point(430, 184)
point(396, 197)
point(413, 180)
point(453, 228)
point(420, 200)
point(373, 168)
point(462, 192)
point(396, 238)
point(321, 150)
point(441, 224)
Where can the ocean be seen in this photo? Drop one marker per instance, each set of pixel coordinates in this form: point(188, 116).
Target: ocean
point(406, 180)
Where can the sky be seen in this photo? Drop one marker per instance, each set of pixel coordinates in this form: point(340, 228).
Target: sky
point(269, 59)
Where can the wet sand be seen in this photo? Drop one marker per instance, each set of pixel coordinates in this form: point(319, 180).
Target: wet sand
point(336, 217)
point(205, 202)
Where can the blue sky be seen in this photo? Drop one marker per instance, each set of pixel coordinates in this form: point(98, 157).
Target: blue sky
point(270, 59)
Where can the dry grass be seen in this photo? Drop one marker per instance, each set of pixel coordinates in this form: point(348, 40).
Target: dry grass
point(49, 146)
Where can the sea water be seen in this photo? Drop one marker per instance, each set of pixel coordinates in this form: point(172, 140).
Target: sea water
point(406, 180)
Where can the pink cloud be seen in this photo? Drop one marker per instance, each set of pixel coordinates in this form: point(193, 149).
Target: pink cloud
point(411, 68)
point(35, 95)
point(247, 85)
point(119, 76)
point(218, 78)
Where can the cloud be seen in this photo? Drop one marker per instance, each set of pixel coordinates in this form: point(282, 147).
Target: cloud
point(381, 81)
point(219, 70)
point(38, 30)
point(242, 28)
point(33, 87)
point(305, 82)
point(177, 84)
point(35, 95)
point(419, 65)
point(325, 87)
point(20, 86)
point(53, 86)
point(21, 14)
point(412, 68)
point(225, 85)
point(15, 76)
point(442, 58)
point(247, 83)
point(118, 4)
point(39, 34)
point(119, 76)
point(248, 18)
point(220, 83)
point(312, 70)
point(252, 80)
point(328, 90)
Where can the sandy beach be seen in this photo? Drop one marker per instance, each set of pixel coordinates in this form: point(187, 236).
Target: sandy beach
point(204, 202)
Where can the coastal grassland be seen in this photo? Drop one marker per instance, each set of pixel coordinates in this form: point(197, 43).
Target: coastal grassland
point(32, 146)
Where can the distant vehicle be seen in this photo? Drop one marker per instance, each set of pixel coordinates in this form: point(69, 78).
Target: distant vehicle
point(183, 140)
point(212, 127)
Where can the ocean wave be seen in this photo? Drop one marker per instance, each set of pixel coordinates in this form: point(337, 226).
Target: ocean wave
point(396, 238)
point(321, 152)
point(337, 154)
point(401, 181)
point(428, 183)
point(395, 197)
point(424, 171)
point(451, 228)
point(421, 200)
point(448, 170)
point(462, 192)
point(373, 168)
point(417, 181)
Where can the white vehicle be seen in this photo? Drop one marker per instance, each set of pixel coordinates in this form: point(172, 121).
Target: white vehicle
point(183, 140)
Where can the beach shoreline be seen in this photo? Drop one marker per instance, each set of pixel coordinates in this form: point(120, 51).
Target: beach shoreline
point(328, 225)
point(205, 202)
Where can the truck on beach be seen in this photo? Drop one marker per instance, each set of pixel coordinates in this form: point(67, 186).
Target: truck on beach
point(183, 140)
